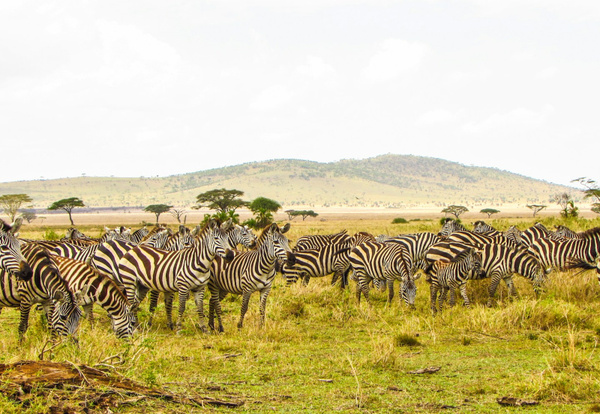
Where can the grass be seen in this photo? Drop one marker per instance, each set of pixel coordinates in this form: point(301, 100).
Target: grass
point(320, 351)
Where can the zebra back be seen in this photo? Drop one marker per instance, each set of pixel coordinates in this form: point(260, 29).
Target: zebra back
point(479, 240)
point(315, 241)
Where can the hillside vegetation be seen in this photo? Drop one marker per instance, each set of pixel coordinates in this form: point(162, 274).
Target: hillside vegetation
point(383, 181)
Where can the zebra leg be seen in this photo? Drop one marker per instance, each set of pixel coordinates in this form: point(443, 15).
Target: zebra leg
point(452, 298)
point(25, 308)
point(433, 292)
point(245, 301)
point(218, 297)
point(199, 299)
point(153, 301)
point(88, 312)
point(390, 286)
point(139, 294)
point(463, 293)
point(492, 289)
point(512, 291)
point(263, 304)
point(305, 279)
point(184, 293)
point(169, 297)
point(443, 294)
point(362, 286)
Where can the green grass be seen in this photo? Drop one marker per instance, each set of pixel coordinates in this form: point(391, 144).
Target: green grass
point(320, 351)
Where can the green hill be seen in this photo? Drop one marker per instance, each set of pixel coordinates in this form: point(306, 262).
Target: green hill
point(384, 181)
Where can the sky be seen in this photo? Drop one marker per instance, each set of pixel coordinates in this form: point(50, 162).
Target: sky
point(157, 88)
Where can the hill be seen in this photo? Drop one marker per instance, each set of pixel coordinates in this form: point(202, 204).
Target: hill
point(383, 181)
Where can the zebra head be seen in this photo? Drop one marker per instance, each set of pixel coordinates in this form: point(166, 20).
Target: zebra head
point(11, 258)
point(124, 326)
point(241, 235)
point(450, 226)
point(65, 314)
point(408, 290)
point(215, 237)
point(280, 243)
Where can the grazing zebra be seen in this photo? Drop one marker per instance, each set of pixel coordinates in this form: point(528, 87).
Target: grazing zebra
point(557, 254)
point(47, 287)
point(249, 272)
point(318, 240)
point(479, 240)
point(451, 226)
point(145, 268)
point(107, 256)
point(91, 286)
point(11, 257)
point(384, 261)
point(452, 275)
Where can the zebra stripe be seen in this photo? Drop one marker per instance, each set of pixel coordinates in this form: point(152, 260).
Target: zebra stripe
point(319, 240)
point(91, 286)
point(314, 263)
point(145, 268)
point(46, 287)
point(479, 240)
point(481, 226)
point(451, 226)
point(452, 275)
point(11, 257)
point(537, 231)
point(247, 273)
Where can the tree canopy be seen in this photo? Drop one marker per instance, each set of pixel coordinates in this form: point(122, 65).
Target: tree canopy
point(221, 200)
point(158, 209)
point(302, 213)
point(263, 209)
point(67, 204)
point(11, 203)
point(489, 211)
point(456, 211)
point(591, 191)
point(536, 208)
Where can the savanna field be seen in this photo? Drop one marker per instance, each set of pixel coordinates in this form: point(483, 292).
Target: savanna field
point(321, 351)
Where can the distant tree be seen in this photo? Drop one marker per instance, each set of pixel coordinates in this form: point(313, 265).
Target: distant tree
point(456, 211)
point(158, 209)
point(179, 214)
point(303, 213)
point(290, 214)
point(221, 200)
point(536, 208)
point(567, 205)
point(29, 215)
point(67, 204)
point(11, 203)
point(263, 209)
point(489, 211)
point(591, 191)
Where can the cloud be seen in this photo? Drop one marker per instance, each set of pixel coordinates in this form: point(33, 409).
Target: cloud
point(271, 98)
point(394, 58)
point(436, 116)
point(315, 67)
point(521, 118)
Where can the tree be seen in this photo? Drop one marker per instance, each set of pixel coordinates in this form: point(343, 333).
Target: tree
point(263, 209)
point(29, 215)
point(489, 211)
point(303, 213)
point(536, 208)
point(591, 191)
point(178, 213)
point(291, 214)
point(11, 203)
point(67, 204)
point(565, 201)
point(157, 209)
point(221, 200)
point(455, 210)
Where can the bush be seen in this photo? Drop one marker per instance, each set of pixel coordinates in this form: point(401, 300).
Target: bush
point(399, 220)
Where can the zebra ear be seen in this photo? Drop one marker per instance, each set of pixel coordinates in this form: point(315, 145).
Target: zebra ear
point(285, 228)
point(227, 225)
point(58, 296)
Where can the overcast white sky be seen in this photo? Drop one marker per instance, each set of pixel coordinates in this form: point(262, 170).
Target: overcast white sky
point(147, 88)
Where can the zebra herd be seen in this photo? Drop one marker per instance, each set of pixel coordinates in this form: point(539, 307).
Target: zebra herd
point(121, 268)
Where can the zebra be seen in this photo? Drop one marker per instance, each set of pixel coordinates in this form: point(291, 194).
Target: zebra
point(241, 235)
point(450, 226)
point(479, 239)
point(145, 268)
point(452, 275)
point(137, 236)
point(314, 263)
point(91, 286)
point(564, 233)
point(385, 261)
point(47, 287)
point(249, 272)
point(514, 234)
point(481, 226)
point(11, 257)
point(557, 254)
point(317, 240)
point(537, 231)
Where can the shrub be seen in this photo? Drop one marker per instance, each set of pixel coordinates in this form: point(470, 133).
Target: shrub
point(399, 220)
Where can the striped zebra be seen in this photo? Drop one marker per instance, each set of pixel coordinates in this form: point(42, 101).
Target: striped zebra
point(11, 257)
point(137, 236)
point(557, 254)
point(45, 287)
point(564, 232)
point(248, 272)
point(342, 266)
point(91, 286)
point(514, 234)
point(314, 241)
point(481, 226)
point(145, 268)
point(450, 226)
point(537, 231)
point(315, 263)
point(479, 240)
point(384, 261)
point(454, 274)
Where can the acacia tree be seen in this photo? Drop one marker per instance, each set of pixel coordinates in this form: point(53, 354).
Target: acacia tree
point(158, 209)
point(303, 213)
point(11, 203)
point(489, 211)
point(179, 214)
point(263, 209)
point(221, 200)
point(67, 204)
point(565, 201)
point(591, 191)
point(456, 211)
point(536, 208)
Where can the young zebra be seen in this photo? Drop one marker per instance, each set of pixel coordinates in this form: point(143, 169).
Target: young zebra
point(384, 261)
point(90, 286)
point(46, 287)
point(452, 275)
point(451, 226)
point(145, 268)
point(11, 257)
point(247, 273)
point(557, 254)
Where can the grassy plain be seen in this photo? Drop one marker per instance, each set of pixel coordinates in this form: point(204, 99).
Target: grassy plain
point(320, 351)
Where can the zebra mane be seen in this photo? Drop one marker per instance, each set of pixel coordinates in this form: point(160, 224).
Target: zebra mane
point(263, 235)
point(206, 226)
